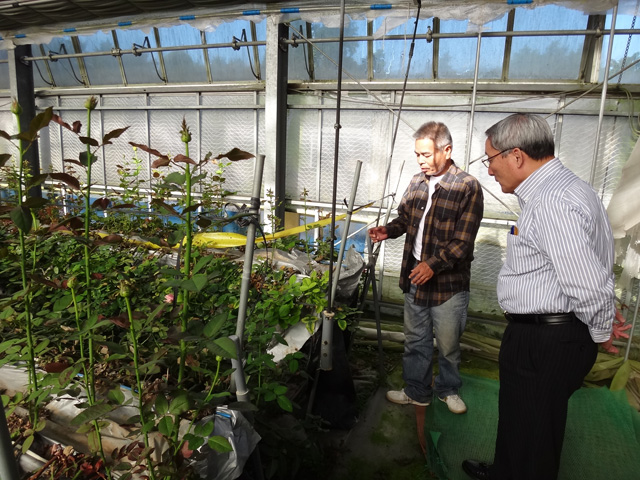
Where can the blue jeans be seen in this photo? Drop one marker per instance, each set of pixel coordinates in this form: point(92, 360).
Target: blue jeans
point(447, 322)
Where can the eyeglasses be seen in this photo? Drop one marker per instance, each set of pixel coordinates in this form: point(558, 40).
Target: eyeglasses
point(486, 161)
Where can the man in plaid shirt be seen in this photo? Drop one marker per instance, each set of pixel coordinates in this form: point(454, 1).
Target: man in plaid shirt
point(440, 214)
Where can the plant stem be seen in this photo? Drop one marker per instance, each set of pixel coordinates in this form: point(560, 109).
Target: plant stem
point(87, 266)
point(136, 366)
point(31, 361)
point(187, 271)
point(76, 311)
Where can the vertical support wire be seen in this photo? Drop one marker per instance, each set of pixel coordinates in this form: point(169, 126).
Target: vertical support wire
point(603, 97)
point(474, 96)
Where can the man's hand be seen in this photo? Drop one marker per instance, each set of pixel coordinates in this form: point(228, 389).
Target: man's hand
point(421, 274)
point(618, 331)
point(378, 234)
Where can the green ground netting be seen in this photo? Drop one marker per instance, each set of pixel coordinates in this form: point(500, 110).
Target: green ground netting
point(602, 438)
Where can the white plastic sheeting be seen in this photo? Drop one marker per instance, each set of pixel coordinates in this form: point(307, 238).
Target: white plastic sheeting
point(624, 215)
point(477, 12)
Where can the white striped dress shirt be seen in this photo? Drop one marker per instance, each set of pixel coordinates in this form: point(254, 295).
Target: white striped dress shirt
point(560, 258)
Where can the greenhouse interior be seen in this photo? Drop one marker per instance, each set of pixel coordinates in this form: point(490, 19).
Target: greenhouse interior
point(189, 288)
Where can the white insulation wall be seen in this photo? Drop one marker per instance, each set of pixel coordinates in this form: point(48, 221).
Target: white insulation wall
point(222, 121)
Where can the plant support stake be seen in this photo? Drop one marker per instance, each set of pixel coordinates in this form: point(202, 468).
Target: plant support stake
point(254, 209)
point(345, 231)
point(8, 467)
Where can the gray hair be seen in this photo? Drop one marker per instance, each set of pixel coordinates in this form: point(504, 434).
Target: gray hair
point(435, 131)
point(529, 133)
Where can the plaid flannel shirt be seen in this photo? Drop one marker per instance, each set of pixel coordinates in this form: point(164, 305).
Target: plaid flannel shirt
point(450, 230)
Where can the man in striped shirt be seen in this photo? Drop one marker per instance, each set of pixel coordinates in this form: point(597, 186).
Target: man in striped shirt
point(557, 290)
point(440, 214)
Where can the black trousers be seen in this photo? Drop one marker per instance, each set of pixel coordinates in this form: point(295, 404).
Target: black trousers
point(540, 368)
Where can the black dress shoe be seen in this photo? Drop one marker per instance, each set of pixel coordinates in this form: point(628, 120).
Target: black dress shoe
point(476, 469)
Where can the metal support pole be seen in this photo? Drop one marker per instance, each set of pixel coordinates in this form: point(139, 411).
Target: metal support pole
point(376, 308)
point(242, 392)
point(633, 324)
point(254, 209)
point(345, 232)
point(8, 467)
point(474, 96)
point(603, 97)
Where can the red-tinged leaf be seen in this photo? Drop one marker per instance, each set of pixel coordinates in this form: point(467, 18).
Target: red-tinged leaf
point(192, 208)
point(121, 321)
point(160, 162)
point(124, 205)
point(21, 216)
point(183, 159)
point(165, 206)
point(97, 276)
point(75, 223)
point(113, 238)
point(37, 180)
point(66, 179)
point(43, 281)
point(101, 203)
point(89, 141)
point(235, 154)
point(41, 120)
point(203, 222)
point(76, 126)
point(5, 135)
point(35, 202)
point(144, 148)
point(75, 162)
point(59, 121)
point(106, 140)
point(4, 158)
point(55, 367)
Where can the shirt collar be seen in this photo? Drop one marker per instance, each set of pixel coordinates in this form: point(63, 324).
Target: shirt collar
point(447, 177)
point(526, 190)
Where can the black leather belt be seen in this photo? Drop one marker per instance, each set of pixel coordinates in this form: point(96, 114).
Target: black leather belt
point(542, 318)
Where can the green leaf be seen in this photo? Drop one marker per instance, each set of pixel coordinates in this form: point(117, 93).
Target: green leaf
point(228, 346)
point(162, 406)
point(93, 440)
point(200, 281)
point(280, 389)
point(219, 444)
point(202, 262)
point(62, 303)
point(283, 311)
point(91, 413)
point(4, 158)
point(87, 159)
point(179, 404)
point(5, 400)
point(21, 216)
point(176, 178)
point(116, 396)
point(194, 441)
point(205, 429)
point(165, 426)
point(27, 443)
point(41, 120)
point(215, 324)
point(35, 202)
point(285, 403)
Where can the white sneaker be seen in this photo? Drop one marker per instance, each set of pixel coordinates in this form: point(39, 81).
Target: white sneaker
point(398, 396)
point(455, 403)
